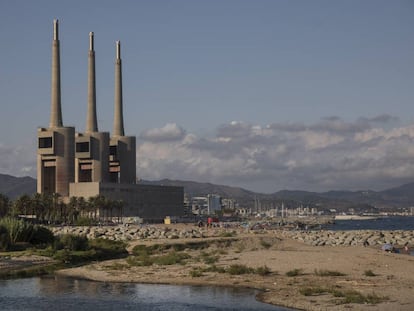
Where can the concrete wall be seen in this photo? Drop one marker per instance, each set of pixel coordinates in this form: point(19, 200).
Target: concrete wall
point(97, 157)
point(61, 156)
point(146, 201)
point(126, 157)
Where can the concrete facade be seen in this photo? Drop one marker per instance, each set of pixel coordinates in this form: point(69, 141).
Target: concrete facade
point(94, 163)
point(146, 201)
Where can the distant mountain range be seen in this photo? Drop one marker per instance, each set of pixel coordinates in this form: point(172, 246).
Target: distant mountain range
point(402, 196)
point(14, 187)
point(398, 197)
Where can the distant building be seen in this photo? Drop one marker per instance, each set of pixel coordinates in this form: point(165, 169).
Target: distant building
point(214, 203)
point(95, 163)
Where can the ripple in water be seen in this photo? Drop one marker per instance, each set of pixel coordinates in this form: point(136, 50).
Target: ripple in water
point(72, 294)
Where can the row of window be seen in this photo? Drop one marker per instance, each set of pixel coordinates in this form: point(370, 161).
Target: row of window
point(47, 142)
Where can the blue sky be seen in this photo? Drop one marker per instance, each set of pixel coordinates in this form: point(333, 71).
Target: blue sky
point(206, 81)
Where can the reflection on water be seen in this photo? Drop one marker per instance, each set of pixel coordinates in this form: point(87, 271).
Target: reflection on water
point(69, 294)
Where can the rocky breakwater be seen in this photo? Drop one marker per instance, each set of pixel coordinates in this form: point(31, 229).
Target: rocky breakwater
point(355, 237)
point(127, 233)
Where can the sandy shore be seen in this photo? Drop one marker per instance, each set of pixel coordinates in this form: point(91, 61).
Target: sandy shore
point(394, 273)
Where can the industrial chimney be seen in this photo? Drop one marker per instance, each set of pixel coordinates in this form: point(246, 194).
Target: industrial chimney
point(91, 120)
point(56, 109)
point(118, 115)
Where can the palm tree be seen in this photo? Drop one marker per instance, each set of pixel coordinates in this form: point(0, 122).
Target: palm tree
point(4, 205)
point(73, 209)
point(22, 205)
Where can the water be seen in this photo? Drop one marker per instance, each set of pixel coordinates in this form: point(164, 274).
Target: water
point(54, 293)
point(385, 223)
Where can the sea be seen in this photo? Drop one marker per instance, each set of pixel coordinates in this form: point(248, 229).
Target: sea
point(61, 293)
point(379, 223)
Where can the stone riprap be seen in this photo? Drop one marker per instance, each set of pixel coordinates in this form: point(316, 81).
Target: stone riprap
point(316, 238)
point(354, 237)
point(128, 233)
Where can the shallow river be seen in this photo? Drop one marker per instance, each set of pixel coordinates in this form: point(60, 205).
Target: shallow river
point(52, 293)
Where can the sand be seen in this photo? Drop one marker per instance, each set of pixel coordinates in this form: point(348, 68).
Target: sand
point(394, 273)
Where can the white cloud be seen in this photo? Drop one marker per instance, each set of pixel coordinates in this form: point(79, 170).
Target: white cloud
point(18, 160)
point(330, 154)
point(170, 132)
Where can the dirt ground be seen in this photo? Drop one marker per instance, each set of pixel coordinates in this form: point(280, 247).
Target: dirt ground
point(393, 273)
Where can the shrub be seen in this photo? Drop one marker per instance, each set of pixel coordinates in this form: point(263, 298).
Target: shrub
point(71, 242)
point(141, 250)
point(19, 230)
point(328, 273)
point(4, 238)
point(42, 235)
point(106, 249)
point(265, 244)
point(239, 269)
point(311, 291)
point(195, 273)
point(139, 261)
point(369, 273)
point(294, 272)
point(240, 247)
point(214, 268)
point(171, 259)
point(352, 296)
point(264, 270)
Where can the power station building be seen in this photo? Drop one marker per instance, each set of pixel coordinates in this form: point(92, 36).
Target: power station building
point(95, 163)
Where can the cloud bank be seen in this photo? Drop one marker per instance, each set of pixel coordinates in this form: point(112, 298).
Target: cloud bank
point(368, 153)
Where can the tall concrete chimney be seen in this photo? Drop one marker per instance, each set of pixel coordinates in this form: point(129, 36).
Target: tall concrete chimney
point(56, 109)
point(91, 120)
point(118, 115)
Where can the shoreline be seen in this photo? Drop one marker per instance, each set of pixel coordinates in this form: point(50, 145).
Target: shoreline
point(281, 252)
point(394, 273)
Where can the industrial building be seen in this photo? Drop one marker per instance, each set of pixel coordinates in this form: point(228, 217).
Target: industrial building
point(93, 163)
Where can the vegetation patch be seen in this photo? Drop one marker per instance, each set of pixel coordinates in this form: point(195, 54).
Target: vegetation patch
point(328, 273)
point(147, 259)
point(171, 258)
point(240, 247)
point(265, 244)
point(350, 296)
point(294, 272)
point(214, 268)
point(227, 234)
point(196, 273)
point(263, 271)
point(369, 273)
point(313, 291)
point(238, 269)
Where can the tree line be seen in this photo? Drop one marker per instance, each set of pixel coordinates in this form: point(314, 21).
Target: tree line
point(52, 209)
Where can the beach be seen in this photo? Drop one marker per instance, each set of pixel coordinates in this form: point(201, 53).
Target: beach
point(321, 271)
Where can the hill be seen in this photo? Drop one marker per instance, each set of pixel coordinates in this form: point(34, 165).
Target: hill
point(402, 196)
point(13, 187)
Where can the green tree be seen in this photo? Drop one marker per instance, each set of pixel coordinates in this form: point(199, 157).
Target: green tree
point(22, 205)
point(4, 205)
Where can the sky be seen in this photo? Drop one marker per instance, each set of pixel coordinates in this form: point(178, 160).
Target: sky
point(264, 94)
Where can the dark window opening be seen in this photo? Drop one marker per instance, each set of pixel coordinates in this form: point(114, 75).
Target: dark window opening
point(45, 142)
point(112, 150)
point(85, 175)
point(82, 147)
